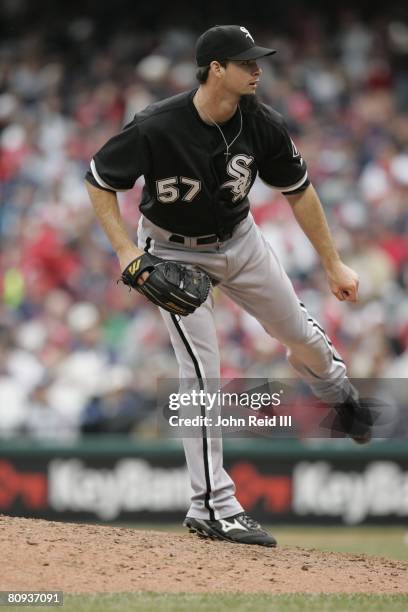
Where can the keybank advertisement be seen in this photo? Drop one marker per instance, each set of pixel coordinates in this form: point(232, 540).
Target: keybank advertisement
point(153, 489)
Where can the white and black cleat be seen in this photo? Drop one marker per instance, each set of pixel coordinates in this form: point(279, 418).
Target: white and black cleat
point(241, 529)
point(355, 418)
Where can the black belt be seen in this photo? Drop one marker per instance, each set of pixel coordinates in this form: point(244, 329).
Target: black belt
point(213, 238)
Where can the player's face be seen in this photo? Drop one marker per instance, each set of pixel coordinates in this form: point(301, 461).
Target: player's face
point(242, 77)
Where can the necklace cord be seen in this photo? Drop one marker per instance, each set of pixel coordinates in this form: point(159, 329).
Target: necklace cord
point(227, 146)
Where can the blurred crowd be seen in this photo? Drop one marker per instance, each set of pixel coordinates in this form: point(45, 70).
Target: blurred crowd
point(78, 353)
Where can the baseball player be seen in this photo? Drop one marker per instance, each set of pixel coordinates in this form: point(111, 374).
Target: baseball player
point(199, 153)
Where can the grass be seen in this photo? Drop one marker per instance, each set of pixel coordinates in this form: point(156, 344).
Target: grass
point(389, 542)
point(156, 602)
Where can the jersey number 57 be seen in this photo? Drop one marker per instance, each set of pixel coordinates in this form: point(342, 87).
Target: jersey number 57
point(168, 189)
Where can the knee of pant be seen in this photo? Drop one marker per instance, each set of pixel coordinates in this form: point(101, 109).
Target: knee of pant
point(295, 333)
point(201, 371)
point(302, 361)
point(320, 365)
point(295, 337)
point(194, 379)
point(310, 344)
point(203, 364)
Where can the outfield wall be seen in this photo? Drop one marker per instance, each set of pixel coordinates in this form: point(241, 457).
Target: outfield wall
point(119, 480)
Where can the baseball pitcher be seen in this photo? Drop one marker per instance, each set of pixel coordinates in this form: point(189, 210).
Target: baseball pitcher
point(200, 152)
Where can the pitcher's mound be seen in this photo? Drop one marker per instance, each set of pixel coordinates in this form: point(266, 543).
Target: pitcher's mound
point(43, 555)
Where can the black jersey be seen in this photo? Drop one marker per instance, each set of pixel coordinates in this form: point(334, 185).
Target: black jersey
point(191, 186)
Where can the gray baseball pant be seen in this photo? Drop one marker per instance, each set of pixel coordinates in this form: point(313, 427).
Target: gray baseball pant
point(249, 272)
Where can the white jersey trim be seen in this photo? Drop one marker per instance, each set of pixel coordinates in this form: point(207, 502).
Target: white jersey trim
point(100, 180)
point(290, 187)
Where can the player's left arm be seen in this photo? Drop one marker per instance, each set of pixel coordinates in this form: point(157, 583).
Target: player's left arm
point(309, 213)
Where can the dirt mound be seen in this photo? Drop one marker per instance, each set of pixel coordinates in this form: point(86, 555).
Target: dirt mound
point(74, 558)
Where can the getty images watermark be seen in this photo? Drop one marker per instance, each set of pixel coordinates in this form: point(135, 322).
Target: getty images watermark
point(212, 407)
point(284, 408)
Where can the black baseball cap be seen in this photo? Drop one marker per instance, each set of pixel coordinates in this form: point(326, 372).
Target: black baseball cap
point(228, 42)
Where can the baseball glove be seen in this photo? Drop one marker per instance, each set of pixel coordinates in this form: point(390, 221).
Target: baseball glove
point(176, 287)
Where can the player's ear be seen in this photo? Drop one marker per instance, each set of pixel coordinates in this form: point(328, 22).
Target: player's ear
point(217, 69)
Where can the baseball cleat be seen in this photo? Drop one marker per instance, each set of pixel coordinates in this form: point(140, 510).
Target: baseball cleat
point(240, 528)
point(355, 419)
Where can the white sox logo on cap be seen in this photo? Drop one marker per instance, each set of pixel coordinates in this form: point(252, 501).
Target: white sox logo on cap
point(247, 34)
point(229, 42)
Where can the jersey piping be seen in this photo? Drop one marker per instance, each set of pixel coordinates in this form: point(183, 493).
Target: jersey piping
point(100, 180)
point(290, 187)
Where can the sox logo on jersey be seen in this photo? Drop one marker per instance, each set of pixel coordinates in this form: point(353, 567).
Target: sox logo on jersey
point(240, 171)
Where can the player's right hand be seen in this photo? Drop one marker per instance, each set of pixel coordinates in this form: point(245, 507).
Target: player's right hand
point(343, 282)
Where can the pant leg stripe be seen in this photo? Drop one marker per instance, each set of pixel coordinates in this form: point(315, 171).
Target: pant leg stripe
point(207, 498)
point(323, 333)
